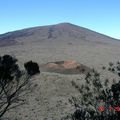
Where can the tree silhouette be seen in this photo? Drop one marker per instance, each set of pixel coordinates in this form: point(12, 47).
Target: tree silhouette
point(32, 68)
point(13, 83)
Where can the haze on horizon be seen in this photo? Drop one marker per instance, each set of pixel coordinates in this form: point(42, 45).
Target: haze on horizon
point(99, 15)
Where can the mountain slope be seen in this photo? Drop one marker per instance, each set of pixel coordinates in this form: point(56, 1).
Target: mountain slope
point(59, 32)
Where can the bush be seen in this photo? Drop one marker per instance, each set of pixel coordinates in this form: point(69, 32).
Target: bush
point(103, 67)
point(8, 68)
point(116, 91)
point(13, 82)
point(111, 64)
point(98, 100)
point(32, 68)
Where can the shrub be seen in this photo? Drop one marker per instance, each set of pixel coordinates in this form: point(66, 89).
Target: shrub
point(98, 100)
point(111, 64)
point(113, 69)
point(116, 91)
point(103, 67)
point(109, 69)
point(80, 114)
point(13, 82)
point(32, 68)
point(8, 68)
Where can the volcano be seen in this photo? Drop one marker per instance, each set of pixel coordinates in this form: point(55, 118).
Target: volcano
point(56, 33)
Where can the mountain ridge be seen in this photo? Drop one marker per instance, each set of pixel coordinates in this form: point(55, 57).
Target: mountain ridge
point(62, 31)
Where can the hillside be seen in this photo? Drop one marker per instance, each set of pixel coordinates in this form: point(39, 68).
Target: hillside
point(58, 33)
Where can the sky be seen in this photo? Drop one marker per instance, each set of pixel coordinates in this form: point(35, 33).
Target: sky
point(102, 16)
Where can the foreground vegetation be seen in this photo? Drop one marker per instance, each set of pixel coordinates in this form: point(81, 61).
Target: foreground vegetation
point(14, 83)
point(98, 100)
